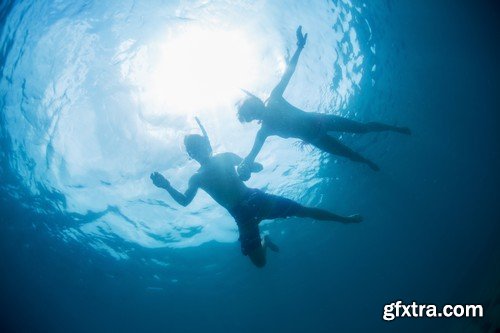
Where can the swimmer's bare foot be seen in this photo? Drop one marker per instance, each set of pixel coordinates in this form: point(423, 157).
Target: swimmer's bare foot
point(372, 165)
point(404, 130)
point(269, 244)
point(355, 218)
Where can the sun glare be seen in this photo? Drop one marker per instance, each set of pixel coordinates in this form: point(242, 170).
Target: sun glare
point(201, 68)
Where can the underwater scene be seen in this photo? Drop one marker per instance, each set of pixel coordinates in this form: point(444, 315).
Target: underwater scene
point(249, 166)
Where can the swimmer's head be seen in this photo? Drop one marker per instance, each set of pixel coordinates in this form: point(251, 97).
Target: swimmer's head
point(251, 108)
point(198, 147)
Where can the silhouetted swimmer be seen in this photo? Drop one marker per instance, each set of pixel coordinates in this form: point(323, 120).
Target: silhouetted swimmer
point(280, 118)
point(217, 176)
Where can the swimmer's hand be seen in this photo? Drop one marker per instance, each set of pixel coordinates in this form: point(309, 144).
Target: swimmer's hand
point(301, 38)
point(244, 170)
point(356, 218)
point(257, 167)
point(159, 180)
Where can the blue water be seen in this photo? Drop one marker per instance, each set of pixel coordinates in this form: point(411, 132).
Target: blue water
point(96, 95)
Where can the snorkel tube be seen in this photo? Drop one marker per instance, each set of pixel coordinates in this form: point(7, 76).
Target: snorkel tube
point(249, 93)
point(204, 132)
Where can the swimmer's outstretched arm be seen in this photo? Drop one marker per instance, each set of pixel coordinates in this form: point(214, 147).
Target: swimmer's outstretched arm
point(237, 160)
point(260, 138)
point(182, 199)
point(292, 64)
point(245, 167)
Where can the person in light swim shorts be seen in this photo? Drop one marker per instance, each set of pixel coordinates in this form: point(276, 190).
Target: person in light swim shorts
point(280, 118)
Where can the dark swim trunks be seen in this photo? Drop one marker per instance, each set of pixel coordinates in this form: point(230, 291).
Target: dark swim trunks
point(256, 207)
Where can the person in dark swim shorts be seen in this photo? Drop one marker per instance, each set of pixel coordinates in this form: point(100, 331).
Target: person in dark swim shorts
point(256, 207)
point(217, 176)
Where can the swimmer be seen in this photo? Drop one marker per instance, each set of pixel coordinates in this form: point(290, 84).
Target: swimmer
point(280, 118)
point(217, 176)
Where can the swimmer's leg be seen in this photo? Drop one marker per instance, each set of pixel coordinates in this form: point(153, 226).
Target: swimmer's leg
point(340, 124)
point(258, 256)
point(268, 243)
point(333, 146)
point(279, 207)
point(324, 215)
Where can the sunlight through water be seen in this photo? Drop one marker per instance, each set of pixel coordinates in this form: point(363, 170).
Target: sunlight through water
point(98, 96)
point(199, 68)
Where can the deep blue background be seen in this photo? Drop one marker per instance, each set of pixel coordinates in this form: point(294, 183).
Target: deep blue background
point(431, 233)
